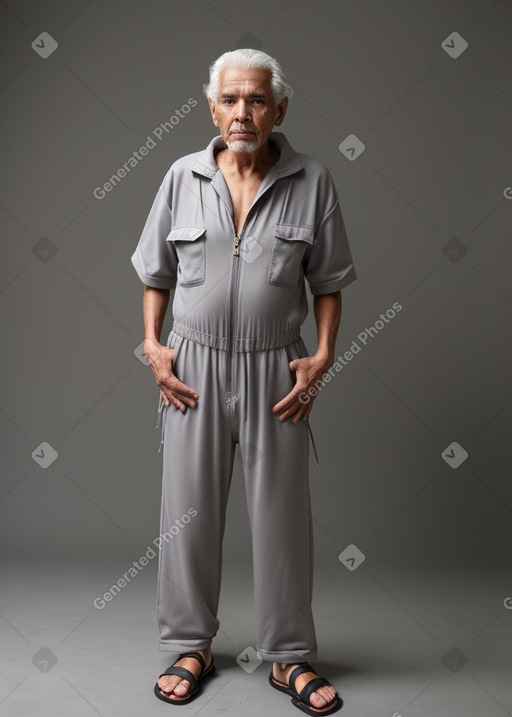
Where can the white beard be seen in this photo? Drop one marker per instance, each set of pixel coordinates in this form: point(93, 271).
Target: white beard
point(242, 145)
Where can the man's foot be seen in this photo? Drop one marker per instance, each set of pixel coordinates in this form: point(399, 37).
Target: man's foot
point(321, 697)
point(177, 687)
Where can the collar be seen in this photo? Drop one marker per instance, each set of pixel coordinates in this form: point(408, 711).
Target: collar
point(288, 163)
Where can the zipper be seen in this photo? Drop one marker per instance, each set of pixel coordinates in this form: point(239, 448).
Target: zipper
point(233, 301)
point(233, 293)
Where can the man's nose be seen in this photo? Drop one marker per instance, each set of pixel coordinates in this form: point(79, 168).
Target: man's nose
point(242, 111)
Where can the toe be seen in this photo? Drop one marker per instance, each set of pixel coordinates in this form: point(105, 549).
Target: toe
point(167, 684)
point(170, 686)
point(327, 693)
point(174, 686)
point(317, 700)
point(322, 697)
point(182, 688)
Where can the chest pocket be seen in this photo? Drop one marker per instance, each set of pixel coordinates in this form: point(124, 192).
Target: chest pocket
point(289, 246)
point(190, 248)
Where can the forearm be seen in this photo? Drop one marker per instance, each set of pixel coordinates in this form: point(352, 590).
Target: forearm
point(154, 306)
point(327, 310)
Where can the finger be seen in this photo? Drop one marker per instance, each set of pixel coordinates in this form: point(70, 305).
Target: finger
point(308, 410)
point(287, 401)
point(184, 393)
point(296, 399)
point(176, 402)
point(180, 400)
point(306, 406)
point(299, 410)
point(300, 415)
point(178, 387)
point(192, 402)
point(291, 411)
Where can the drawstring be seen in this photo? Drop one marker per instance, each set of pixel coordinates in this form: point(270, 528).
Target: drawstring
point(302, 353)
point(161, 406)
point(313, 442)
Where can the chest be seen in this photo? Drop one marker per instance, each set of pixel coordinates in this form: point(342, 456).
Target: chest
point(242, 194)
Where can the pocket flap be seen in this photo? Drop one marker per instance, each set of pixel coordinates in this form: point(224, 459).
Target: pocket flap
point(295, 233)
point(185, 233)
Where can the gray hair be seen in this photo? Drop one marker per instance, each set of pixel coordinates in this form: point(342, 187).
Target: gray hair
point(248, 58)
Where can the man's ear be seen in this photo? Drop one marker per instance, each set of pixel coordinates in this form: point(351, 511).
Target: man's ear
point(212, 111)
point(281, 109)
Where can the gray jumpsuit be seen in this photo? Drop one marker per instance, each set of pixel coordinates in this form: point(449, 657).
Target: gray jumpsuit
point(238, 306)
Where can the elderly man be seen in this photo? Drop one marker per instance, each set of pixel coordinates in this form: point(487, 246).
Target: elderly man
point(235, 229)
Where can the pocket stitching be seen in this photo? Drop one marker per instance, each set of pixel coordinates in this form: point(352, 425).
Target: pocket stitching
point(307, 231)
point(190, 234)
point(280, 234)
point(194, 233)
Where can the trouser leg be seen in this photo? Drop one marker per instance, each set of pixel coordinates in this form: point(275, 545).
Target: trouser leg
point(198, 456)
point(275, 464)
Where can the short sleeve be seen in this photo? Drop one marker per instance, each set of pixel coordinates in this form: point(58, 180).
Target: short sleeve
point(154, 258)
point(329, 266)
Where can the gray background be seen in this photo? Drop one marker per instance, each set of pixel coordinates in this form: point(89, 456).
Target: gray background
point(427, 207)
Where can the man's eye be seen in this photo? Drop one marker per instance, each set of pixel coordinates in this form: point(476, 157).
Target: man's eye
point(255, 100)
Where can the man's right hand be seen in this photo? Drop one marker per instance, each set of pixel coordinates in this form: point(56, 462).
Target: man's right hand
point(161, 359)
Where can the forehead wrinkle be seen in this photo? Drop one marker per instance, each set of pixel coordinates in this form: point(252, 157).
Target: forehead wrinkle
point(258, 84)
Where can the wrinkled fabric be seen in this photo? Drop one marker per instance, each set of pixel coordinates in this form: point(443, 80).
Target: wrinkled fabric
point(198, 455)
point(238, 306)
point(293, 232)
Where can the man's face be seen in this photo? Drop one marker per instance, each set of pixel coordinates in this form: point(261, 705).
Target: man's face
point(245, 102)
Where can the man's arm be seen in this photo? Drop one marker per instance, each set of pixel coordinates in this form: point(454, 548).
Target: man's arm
point(160, 358)
point(327, 310)
point(154, 306)
point(308, 370)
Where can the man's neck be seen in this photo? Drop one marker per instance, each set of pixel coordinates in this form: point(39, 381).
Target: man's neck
point(245, 164)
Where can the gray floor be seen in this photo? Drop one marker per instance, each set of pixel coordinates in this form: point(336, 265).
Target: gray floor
point(393, 640)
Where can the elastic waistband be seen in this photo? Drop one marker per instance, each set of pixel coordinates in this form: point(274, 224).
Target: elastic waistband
point(257, 343)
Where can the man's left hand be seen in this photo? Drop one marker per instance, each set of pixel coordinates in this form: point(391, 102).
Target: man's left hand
point(298, 403)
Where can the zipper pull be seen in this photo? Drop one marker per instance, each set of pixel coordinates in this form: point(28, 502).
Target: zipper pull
point(235, 248)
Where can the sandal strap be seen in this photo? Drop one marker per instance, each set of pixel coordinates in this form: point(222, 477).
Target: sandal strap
point(310, 687)
point(183, 673)
point(197, 655)
point(302, 667)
